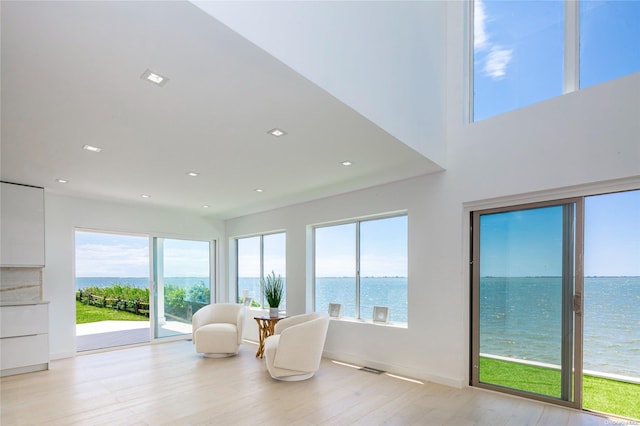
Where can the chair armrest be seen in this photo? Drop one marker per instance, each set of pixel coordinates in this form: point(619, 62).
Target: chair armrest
point(200, 318)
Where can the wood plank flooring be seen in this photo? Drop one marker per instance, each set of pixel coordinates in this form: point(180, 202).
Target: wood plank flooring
point(90, 342)
point(169, 384)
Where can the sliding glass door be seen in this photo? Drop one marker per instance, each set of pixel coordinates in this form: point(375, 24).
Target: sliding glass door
point(181, 284)
point(526, 300)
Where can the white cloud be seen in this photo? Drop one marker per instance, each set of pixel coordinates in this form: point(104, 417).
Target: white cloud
point(497, 58)
point(186, 261)
point(496, 62)
point(97, 260)
point(480, 36)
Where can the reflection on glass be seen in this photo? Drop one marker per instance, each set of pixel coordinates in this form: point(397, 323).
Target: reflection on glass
point(183, 285)
point(521, 299)
point(611, 350)
point(257, 257)
point(274, 247)
point(383, 267)
point(335, 264)
point(518, 54)
point(249, 269)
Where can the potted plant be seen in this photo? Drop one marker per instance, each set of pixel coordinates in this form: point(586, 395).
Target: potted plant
point(273, 291)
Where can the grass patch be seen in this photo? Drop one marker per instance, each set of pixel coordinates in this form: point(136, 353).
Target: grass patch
point(599, 394)
point(87, 313)
point(611, 396)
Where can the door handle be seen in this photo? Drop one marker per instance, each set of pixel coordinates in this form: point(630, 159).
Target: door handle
point(577, 303)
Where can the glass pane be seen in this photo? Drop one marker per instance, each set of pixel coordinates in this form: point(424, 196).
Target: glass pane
point(609, 40)
point(275, 247)
point(518, 54)
point(383, 267)
point(112, 290)
point(336, 268)
point(521, 270)
point(611, 297)
point(183, 285)
point(249, 270)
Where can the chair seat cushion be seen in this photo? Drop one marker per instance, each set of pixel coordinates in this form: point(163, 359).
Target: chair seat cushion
point(270, 349)
point(217, 339)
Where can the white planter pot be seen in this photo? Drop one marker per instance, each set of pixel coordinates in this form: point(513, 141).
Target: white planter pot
point(273, 312)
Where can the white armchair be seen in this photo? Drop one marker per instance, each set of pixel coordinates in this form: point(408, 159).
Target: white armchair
point(217, 329)
point(295, 349)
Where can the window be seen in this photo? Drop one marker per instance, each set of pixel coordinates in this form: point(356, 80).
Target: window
point(609, 40)
point(518, 54)
point(182, 283)
point(112, 282)
point(258, 256)
point(529, 51)
point(363, 264)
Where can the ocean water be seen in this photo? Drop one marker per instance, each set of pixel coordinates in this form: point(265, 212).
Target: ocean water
point(520, 317)
point(380, 291)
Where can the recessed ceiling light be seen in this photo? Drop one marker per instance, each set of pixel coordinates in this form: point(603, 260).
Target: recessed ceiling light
point(92, 148)
point(154, 78)
point(259, 190)
point(146, 196)
point(346, 163)
point(205, 207)
point(62, 181)
point(192, 174)
point(277, 132)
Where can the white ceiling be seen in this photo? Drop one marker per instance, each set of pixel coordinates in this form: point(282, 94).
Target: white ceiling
point(71, 76)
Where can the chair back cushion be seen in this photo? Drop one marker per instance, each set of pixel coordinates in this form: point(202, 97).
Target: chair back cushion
point(301, 342)
point(219, 313)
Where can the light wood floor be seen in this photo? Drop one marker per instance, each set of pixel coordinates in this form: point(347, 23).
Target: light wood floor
point(90, 342)
point(170, 384)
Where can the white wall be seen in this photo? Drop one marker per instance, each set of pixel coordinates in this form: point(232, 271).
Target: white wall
point(583, 143)
point(63, 215)
point(383, 59)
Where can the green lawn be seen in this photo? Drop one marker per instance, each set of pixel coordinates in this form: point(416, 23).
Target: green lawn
point(608, 396)
point(86, 313)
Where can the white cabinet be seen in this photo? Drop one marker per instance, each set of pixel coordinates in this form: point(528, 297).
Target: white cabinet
point(24, 338)
point(22, 225)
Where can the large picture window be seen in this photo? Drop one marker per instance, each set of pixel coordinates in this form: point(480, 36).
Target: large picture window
point(529, 51)
point(363, 264)
point(259, 256)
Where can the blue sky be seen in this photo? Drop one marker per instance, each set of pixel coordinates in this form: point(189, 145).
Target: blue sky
point(525, 243)
point(383, 249)
point(529, 243)
point(100, 254)
point(519, 49)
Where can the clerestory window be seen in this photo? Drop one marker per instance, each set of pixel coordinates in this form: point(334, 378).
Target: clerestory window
point(529, 51)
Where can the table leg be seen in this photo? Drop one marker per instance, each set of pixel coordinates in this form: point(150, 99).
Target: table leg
point(261, 334)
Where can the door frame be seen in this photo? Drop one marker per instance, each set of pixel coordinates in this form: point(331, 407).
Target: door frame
point(571, 302)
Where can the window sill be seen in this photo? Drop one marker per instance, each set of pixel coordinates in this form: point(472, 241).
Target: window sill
point(370, 322)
